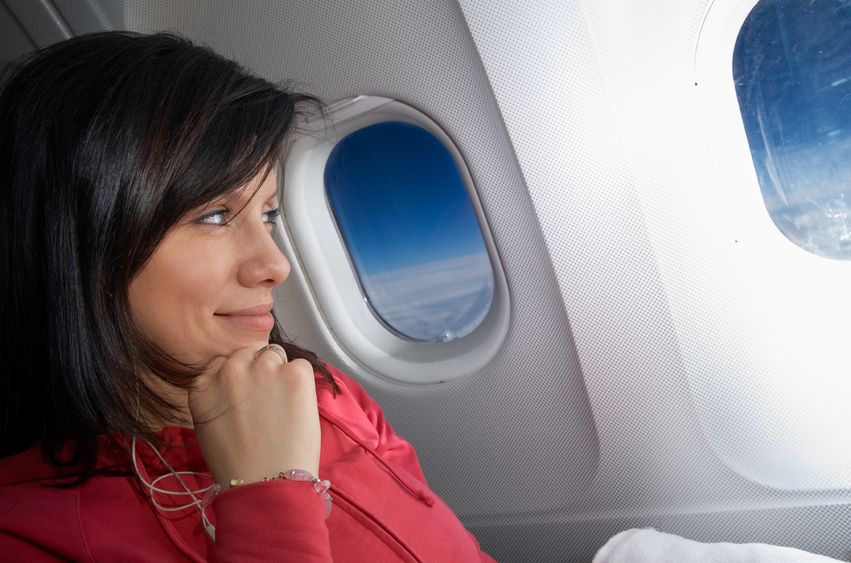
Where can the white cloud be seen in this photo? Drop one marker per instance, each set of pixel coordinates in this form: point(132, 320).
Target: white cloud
point(436, 301)
point(810, 197)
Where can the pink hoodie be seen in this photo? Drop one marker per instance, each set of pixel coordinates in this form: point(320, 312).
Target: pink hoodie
point(382, 509)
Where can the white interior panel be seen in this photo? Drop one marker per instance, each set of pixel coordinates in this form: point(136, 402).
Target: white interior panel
point(785, 377)
point(695, 385)
point(14, 40)
point(40, 18)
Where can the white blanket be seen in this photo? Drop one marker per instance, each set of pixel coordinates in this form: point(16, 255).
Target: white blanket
point(651, 546)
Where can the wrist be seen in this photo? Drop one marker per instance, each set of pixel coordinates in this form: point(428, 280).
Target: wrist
point(319, 486)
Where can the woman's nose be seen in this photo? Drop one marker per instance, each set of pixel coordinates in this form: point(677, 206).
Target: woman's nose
point(262, 263)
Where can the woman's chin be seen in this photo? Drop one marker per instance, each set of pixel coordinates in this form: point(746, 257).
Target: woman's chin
point(256, 342)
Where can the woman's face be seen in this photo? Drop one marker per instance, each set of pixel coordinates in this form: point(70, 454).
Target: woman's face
point(206, 291)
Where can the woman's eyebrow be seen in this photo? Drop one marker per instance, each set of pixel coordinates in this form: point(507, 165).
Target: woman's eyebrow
point(223, 201)
point(236, 198)
point(273, 198)
point(270, 196)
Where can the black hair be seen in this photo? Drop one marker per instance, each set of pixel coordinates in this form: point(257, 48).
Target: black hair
point(106, 140)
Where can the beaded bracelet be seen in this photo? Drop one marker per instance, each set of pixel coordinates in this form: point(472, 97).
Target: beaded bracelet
point(321, 486)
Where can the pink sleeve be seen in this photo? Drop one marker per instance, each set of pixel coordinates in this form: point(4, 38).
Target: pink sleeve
point(15, 549)
point(391, 447)
point(272, 521)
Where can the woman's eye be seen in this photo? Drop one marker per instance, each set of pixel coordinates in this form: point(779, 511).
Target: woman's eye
point(217, 217)
point(272, 215)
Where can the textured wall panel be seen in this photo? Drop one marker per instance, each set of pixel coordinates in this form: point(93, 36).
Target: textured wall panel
point(14, 41)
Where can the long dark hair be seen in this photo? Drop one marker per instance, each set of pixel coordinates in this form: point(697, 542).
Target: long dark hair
point(106, 140)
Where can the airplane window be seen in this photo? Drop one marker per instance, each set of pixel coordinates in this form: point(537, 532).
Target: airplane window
point(403, 211)
point(792, 70)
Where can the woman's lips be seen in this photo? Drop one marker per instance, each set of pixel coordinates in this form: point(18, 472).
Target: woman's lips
point(258, 319)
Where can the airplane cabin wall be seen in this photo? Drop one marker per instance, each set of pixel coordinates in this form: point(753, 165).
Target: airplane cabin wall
point(645, 361)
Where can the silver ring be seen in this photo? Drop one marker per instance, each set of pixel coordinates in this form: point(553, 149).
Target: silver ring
point(276, 348)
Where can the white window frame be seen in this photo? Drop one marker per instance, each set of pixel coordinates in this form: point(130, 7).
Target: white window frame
point(332, 279)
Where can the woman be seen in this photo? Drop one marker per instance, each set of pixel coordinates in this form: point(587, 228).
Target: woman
point(145, 413)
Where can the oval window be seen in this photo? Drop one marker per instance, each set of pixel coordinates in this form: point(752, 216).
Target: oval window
point(404, 213)
point(792, 70)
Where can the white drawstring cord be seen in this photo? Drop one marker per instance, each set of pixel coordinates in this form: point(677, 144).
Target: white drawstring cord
point(201, 504)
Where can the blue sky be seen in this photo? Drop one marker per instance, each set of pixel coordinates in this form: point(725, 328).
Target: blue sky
point(398, 198)
point(402, 208)
point(793, 63)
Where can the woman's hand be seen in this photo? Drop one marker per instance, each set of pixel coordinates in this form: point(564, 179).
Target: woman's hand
point(256, 416)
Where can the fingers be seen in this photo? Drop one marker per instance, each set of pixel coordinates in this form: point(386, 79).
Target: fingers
point(266, 414)
point(250, 363)
point(276, 348)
